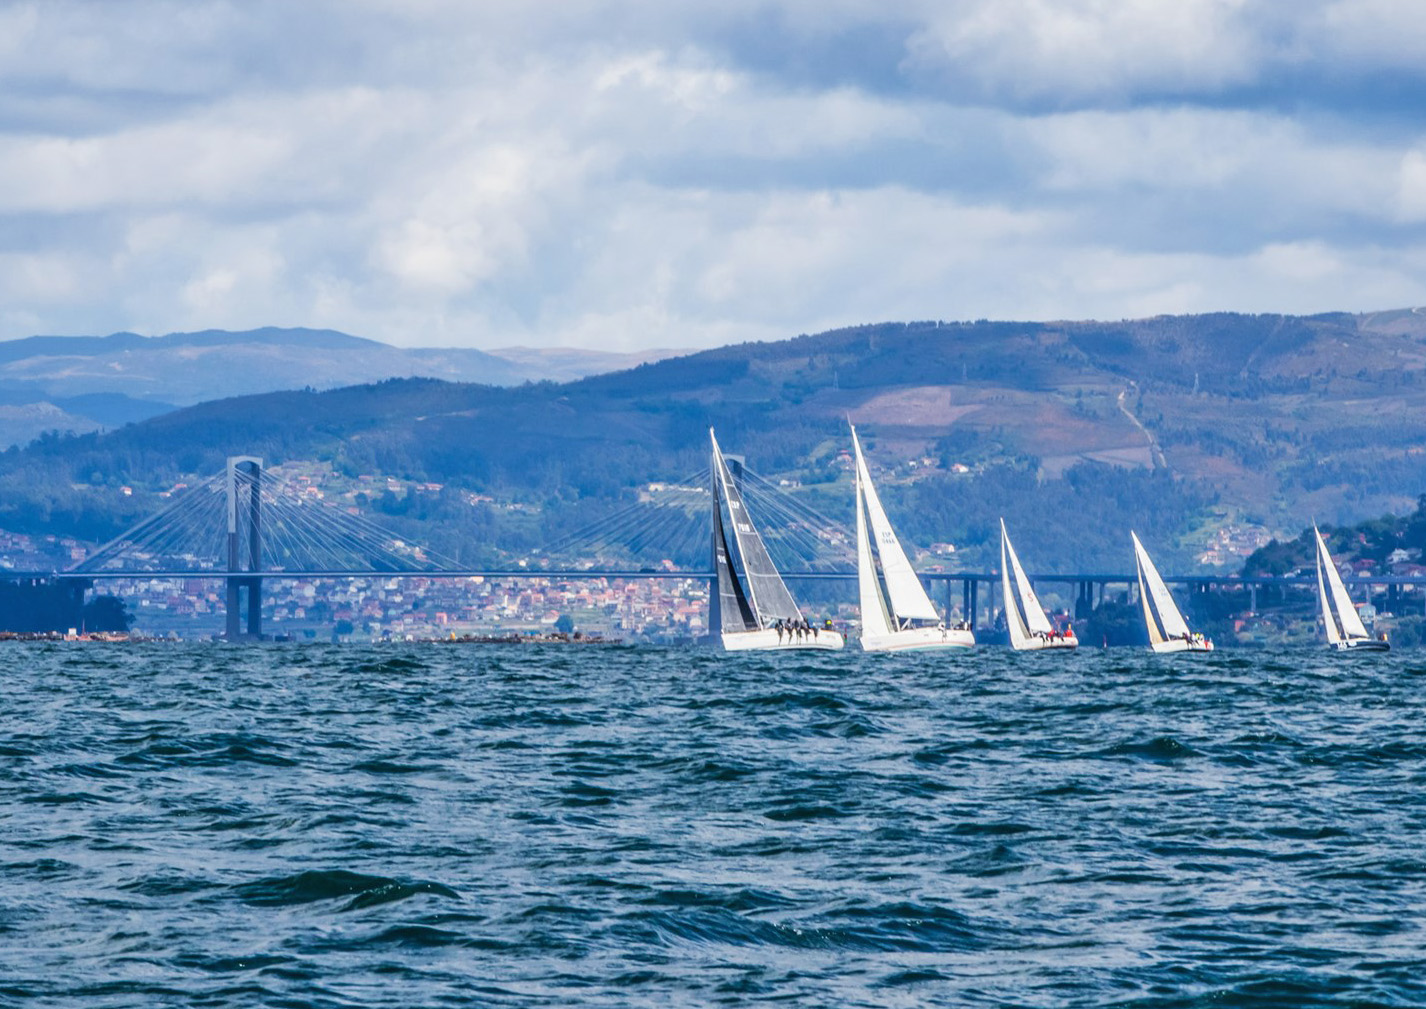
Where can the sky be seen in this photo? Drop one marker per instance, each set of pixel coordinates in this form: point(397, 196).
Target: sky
point(648, 174)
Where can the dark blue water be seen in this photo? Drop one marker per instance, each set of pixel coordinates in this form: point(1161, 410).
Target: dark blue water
point(467, 825)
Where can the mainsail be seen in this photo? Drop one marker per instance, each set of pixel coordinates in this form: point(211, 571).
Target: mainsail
point(905, 598)
point(1024, 616)
point(746, 562)
point(1160, 613)
point(1339, 615)
point(736, 613)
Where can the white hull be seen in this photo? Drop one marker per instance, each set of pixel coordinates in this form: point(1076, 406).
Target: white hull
point(1044, 644)
point(769, 640)
point(1360, 645)
point(918, 639)
point(1174, 645)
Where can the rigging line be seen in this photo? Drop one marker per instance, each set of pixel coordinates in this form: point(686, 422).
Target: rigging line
point(289, 546)
point(595, 533)
point(209, 529)
point(687, 535)
point(160, 541)
point(802, 518)
point(290, 539)
point(631, 524)
point(798, 511)
point(616, 518)
point(671, 530)
point(323, 547)
point(287, 527)
point(360, 523)
point(381, 540)
point(307, 541)
point(312, 539)
point(789, 532)
point(794, 501)
point(147, 527)
point(649, 532)
point(684, 547)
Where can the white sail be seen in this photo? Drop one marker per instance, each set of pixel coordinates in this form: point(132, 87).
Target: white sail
point(1156, 636)
point(875, 620)
point(1334, 598)
point(1329, 622)
point(1010, 602)
point(1169, 622)
point(1035, 622)
point(906, 596)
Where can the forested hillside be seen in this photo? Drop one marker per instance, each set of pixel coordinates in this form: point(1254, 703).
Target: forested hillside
point(1074, 431)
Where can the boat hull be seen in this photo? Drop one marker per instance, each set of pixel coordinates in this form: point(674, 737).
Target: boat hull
point(919, 639)
point(1360, 645)
point(1045, 644)
point(1175, 645)
point(770, 641)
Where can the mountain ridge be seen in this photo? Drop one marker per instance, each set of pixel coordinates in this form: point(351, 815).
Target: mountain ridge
point(145, 375)
point(1180, 425)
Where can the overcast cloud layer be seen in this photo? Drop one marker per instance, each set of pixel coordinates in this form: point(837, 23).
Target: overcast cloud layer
point(648, 174)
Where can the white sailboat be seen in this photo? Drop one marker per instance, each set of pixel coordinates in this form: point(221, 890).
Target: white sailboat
point(897, 615)
point(1168, 631)
point(1345, 631)
point(1029, 627)
point(754, 609)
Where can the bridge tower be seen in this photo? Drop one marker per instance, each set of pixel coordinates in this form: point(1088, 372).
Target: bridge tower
point(244, 530)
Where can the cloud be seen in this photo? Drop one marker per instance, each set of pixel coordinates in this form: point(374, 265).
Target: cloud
point(646, 174)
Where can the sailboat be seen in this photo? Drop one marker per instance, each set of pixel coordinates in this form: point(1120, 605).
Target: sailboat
point(1343, 624)
point(1029, 627)
point(1168, 632)
point(754, 610)
point(897, 615)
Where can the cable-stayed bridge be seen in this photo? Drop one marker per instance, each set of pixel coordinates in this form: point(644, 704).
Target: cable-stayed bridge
point(249, 523)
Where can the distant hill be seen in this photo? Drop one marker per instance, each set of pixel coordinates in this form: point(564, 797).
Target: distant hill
point(1073, 431)
point(87, 383)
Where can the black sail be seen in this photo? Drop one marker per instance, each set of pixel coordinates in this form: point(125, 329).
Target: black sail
point(763, 587)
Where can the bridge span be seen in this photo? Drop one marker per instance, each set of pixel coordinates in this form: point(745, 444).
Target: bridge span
point(247, 525)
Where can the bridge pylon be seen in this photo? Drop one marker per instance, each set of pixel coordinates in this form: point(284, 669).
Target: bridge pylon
point(244, 487)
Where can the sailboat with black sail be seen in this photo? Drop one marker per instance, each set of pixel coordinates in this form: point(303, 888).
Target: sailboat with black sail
point(1030, 629)
point(897, 615)
point(755, 610)
point(1340, 619)
point(1168, 631)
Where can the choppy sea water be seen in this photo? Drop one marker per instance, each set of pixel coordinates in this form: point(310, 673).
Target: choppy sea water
point(531, 826)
